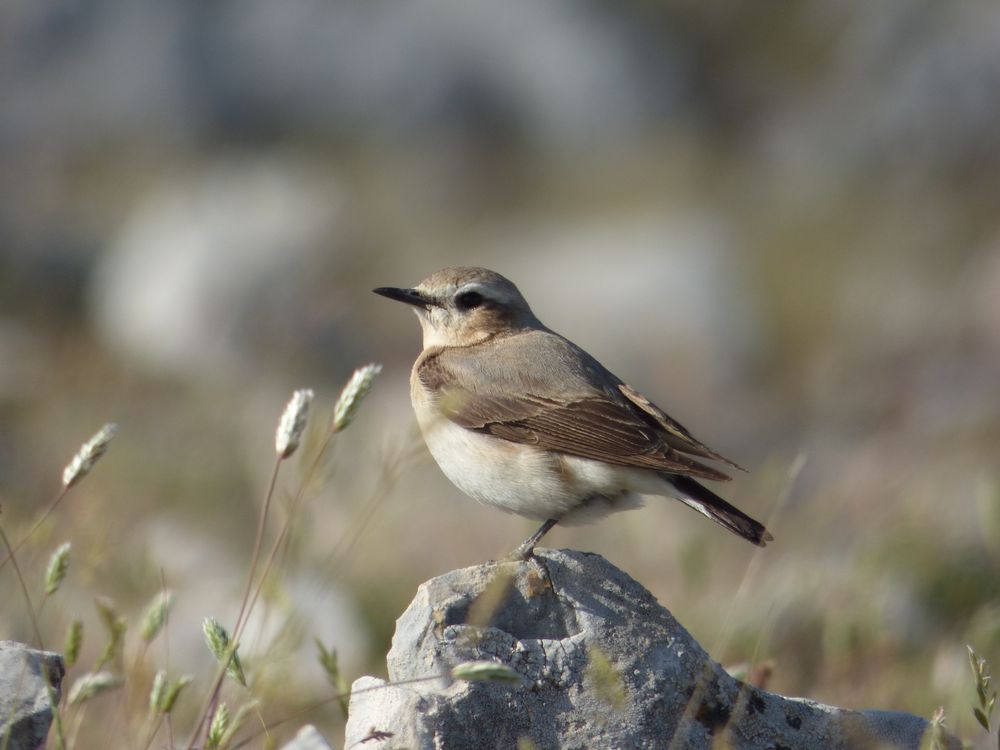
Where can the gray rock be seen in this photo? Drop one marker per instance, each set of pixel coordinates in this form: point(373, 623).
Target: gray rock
point(308, 738)
point(561, 72)
point(602, 664)
point(25, 698)
point(214, 265)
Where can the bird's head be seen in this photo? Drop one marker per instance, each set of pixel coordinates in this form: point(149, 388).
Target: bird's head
point(461, 306)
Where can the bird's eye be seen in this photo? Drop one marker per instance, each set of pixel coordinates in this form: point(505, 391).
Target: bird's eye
point(468, 300)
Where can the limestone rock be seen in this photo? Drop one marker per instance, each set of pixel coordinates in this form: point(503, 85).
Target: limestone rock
point(308, 738)
point(25, 699)
point(603, 665)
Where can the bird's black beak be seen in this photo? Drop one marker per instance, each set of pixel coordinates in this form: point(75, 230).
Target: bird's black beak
point(409, 296)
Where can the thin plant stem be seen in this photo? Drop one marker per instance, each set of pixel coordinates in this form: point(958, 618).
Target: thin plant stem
point(157, 721)
point(791, 482)
point(258, 543)
point(701, 685)
point(24, 588)
point(724, 738)
point(292, 507)
point(122, 707)
point(245, 607)
point(56, 717)
point(166, 658)
point(166, 623)
point(393, 467)
point(74, 731)
point(153, 730)
point(34, 527)
point(363, 516)
point(220, 675)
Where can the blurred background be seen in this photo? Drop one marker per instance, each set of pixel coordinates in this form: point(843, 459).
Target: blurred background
point(779, 221)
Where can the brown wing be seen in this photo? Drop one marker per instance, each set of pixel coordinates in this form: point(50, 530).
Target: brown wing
point(598, 426)
point(675, 435)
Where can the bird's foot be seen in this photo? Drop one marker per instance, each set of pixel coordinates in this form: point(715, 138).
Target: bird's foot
point(537, 577)
point(526, 550)
point(522, 553)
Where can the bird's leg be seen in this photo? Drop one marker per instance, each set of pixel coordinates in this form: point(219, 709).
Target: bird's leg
point(525, 550)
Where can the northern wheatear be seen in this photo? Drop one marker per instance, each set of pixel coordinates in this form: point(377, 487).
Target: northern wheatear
point(520, 418)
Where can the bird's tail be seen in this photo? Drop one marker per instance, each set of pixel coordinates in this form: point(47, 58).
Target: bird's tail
point(706, 502)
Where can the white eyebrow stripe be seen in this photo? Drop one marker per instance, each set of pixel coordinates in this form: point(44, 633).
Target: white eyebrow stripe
point(487, 291)
point(473, 286)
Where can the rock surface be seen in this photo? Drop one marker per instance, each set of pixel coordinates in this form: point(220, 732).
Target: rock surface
point(603, 665)
point(25, 699)
point(308, 738)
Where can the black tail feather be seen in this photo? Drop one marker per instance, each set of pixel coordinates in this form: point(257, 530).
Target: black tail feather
point(709, 504)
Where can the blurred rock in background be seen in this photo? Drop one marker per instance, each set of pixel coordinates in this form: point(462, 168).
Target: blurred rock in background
point(207, 275)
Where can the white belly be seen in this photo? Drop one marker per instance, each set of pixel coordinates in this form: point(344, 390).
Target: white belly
point(528, 481)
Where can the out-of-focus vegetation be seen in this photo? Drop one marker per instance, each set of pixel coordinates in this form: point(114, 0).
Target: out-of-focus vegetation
point(779, 222)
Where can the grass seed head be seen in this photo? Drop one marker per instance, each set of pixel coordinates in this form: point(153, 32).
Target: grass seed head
point(218, 728)
point(157, 691)
point(353, 394)
point(57, 568)
point(91, 685)
point(485, 671)
point(74, 641)
point(217, 638)
point(156, 615)
point(293, 423)
point(173, 691)
point(88, 454)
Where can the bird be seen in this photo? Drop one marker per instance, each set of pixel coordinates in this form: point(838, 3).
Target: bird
point(524, 420)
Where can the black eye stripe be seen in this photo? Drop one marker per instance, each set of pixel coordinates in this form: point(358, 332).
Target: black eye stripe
point(468, 300)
